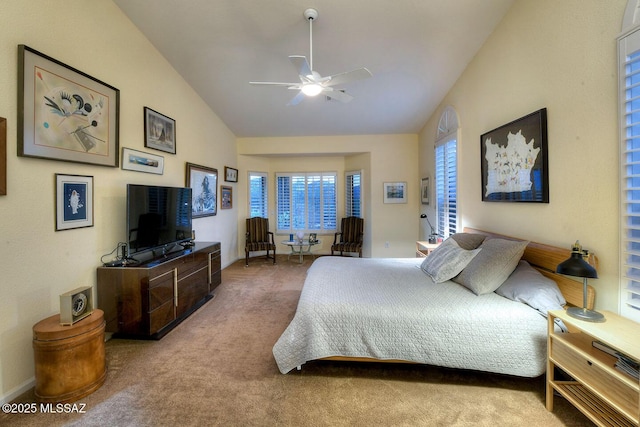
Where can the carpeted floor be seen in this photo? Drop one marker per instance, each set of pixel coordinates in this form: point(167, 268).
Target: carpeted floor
point(217, 368)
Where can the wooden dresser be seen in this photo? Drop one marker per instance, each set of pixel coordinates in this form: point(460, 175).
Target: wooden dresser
point(148, 300)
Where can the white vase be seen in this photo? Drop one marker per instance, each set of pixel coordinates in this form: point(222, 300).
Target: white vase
point(300, 236)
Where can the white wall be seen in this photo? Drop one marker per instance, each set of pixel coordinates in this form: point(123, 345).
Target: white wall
point(38, 263)
point(560, 55)
point(383, 158)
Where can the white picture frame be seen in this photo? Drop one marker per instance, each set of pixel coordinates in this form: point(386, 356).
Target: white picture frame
point(395, 192)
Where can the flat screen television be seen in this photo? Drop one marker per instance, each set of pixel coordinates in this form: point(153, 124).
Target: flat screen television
point(157, 217)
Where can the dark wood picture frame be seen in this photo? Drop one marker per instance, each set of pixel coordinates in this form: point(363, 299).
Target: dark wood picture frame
point(514, 161)
point(226, 197)
point(3, 156)
point(203, 182)
point(65, 114)
point(230, 174)
point(159, 131)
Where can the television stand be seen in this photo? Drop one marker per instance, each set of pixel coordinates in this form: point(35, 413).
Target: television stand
point(149, 299)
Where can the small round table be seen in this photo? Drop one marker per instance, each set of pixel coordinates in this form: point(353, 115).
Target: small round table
point(69, 360)
point(297, 248)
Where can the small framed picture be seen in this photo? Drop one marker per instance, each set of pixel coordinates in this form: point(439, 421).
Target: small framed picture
point(203, 182)
point(226, 197)
point(159, 131)
point(74, 201)
point(230, 174)
point(395, 192)
point(313, 237)
point(424, 191)
point(139, 161)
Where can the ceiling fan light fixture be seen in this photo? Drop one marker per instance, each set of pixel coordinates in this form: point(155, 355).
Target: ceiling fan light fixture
point(311, 89)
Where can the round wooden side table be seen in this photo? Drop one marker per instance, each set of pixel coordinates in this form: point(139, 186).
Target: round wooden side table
point(69, 360)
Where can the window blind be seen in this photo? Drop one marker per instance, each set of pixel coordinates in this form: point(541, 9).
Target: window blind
point(258, 201)
point(306, 202)
point(630, 174)
point(353, 202)
point(446, 187)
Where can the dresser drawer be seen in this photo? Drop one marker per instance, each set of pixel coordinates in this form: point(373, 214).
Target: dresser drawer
point(588, 371)
point(161, 289)
point(161, 316)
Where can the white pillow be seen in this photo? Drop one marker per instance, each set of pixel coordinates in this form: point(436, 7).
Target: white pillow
point(487, 271)
point(447, 260)
point(529, 286)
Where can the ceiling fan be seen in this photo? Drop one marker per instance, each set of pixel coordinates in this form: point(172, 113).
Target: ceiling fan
point(311, 82)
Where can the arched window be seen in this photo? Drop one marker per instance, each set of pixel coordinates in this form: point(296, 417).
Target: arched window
point(446, 175)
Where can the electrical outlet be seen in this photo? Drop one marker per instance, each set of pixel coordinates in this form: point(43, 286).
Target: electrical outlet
point(386, 245)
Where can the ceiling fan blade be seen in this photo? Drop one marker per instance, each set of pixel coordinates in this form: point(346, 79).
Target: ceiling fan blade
point(349, 76)
point(338, 95)
point(274, 83)
point(296, 99)
point(301, 64)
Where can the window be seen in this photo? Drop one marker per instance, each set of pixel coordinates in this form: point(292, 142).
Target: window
point(629, 75)
point(258, 202)
point(353, 194)
point(446, 174)
point(306, 202)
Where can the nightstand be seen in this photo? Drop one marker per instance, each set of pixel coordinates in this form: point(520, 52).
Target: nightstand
point(605, 394)
point(424, 248)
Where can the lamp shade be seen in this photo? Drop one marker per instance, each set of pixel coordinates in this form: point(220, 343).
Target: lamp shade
point(577, 266)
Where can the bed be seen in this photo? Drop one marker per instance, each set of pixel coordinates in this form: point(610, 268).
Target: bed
point(391, 310)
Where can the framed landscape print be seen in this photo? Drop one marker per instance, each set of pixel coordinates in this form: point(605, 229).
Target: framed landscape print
point(514, 161)
point(395, 192)
point(203, 182)
point(74, 201)
point(139, 161)
point(159, 131)
point(65, 114)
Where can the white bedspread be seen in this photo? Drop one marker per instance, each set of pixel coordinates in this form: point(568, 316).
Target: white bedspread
point(387, 308)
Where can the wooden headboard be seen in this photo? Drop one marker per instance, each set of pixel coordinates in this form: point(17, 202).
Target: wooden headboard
point(545, 258)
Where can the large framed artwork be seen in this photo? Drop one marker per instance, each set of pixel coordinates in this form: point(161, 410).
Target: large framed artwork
point(65, 114)
point(514, 161)
point(159, 131)
point(203, 182)
point(74, 201)
point(394, 192)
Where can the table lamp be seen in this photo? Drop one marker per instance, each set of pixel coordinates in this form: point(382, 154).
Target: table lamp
point(433, 237)
point(578, 267)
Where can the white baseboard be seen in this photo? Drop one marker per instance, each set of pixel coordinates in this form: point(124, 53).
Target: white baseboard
point(22, 388)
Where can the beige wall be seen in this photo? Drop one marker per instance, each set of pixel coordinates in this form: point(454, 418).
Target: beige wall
point(560, 55)
point(390, 229)
point(38, 263)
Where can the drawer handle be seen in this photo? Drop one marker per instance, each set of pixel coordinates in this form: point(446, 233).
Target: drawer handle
point(589, 362)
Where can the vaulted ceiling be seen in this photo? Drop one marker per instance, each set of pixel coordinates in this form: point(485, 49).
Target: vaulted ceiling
point(415, 49)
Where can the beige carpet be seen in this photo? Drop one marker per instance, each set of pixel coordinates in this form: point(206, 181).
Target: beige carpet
point(217, 368)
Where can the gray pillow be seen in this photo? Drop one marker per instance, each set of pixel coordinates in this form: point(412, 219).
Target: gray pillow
point(497, 260)
point(529, 286)
point(468, 240)
point(446, 261)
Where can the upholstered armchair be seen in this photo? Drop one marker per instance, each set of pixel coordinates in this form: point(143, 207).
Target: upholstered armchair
point(349, 239)
point(259, 238)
